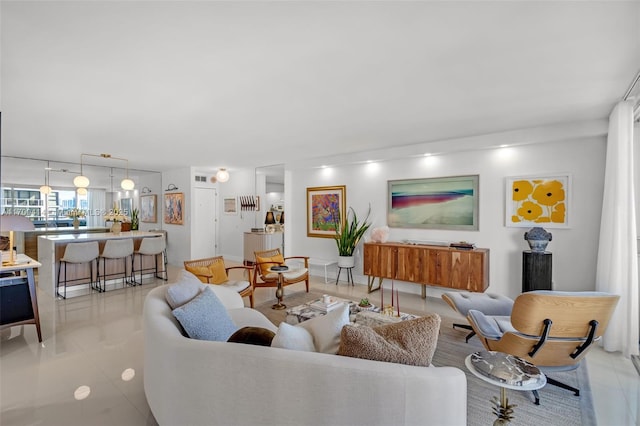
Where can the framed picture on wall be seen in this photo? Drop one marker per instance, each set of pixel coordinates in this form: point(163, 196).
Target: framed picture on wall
point(173, 208)
point(325, 207)
point(539, 200)
point(148, 208)
point(230, 205)
point(126, 206)
point(434, 203)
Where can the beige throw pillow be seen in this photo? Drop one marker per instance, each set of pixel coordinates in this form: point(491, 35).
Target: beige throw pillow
point(411, 342)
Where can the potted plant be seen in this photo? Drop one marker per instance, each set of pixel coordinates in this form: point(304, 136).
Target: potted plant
point(76, 214)
point(135, 219)
point(348, 235)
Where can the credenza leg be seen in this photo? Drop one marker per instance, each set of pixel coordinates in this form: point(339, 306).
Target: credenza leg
point(370, 280)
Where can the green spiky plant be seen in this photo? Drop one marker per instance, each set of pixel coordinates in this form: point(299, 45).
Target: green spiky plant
point(348, 235)
point(135, 219)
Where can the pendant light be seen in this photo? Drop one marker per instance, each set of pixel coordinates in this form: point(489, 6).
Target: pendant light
point(46, 189)
point(81, 181)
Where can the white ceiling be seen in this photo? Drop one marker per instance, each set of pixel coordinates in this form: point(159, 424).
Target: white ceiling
point(234, 84)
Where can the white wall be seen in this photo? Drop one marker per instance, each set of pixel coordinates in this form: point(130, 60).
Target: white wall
point(574, 249)
point(231, 228)
point(178, 236)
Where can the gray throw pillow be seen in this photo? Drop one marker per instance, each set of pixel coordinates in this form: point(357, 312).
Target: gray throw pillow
point(184, 290)
point(205, 318)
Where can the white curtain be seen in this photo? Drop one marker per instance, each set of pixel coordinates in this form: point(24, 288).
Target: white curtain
point(617, 268)
point(97, 204)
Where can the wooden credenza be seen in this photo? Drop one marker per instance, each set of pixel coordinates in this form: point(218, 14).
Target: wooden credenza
point(427, 265)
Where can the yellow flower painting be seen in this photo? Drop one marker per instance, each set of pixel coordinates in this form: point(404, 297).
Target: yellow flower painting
point(537, 200)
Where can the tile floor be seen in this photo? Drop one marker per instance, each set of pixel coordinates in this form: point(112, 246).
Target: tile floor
point(88, 370)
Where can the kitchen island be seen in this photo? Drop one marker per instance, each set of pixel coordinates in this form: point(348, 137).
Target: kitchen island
point(51, 250)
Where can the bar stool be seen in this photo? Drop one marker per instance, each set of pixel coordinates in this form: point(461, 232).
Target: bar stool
point(78, 253)
point(115, 250)
point(151, 246)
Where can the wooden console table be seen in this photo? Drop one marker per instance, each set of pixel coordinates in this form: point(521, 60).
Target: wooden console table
point(18, 299)
point(439, 266)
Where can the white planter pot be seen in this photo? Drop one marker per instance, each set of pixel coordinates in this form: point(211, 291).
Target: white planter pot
point(346, 261)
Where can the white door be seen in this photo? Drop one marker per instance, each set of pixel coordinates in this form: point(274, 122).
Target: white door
point(203, 235)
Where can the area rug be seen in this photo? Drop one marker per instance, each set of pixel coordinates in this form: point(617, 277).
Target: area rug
point(557, 406)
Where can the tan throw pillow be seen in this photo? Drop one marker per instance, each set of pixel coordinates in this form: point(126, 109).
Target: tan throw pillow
point(411, 342)
point(202, 272)
point(268, 262)
point(218, 273)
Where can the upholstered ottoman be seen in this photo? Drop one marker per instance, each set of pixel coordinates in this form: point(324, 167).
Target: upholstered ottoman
point(487, 303)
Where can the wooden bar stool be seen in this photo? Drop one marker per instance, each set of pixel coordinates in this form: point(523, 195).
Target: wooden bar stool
point(78, 253)
point(151, 246)
point(115, 250)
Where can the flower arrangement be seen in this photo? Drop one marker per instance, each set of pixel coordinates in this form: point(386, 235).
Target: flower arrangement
point(75, 213)
point(115, 215)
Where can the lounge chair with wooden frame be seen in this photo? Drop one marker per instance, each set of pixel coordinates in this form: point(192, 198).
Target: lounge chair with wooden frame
point(262, 277)
point(212, 270)
point(552, 329)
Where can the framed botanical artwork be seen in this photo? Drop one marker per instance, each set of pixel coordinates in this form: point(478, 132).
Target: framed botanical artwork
point(434, 203)
point(230, 205)
point(542, 200)
point(173, 208)
point(325, 207)
point(148, 208)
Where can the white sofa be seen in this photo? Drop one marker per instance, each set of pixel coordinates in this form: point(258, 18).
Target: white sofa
point(195, 382)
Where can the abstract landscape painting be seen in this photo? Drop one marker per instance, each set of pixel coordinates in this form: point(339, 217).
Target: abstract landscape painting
point(434, 203)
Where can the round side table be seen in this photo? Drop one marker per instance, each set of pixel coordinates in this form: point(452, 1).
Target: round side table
point(507, 372)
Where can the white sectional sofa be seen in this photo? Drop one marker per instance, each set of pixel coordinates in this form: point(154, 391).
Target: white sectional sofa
point(196, 382)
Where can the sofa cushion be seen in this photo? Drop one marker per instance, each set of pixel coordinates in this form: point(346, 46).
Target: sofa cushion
point(238, 286)
point(293, 337)
point(252, 336)
point(205, 318)
point(326, 329)
point(184, 290)
point(411, 342)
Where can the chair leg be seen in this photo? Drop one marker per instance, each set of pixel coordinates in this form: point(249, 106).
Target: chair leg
point(536, 395)
point(65, 280)
point(307, 284)
point(466, 327)
point(563, 386)
point(251, 300)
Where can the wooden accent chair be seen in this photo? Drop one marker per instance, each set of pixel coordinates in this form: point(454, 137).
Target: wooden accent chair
point(552, 329)
point(268, 258)
point(212, 270)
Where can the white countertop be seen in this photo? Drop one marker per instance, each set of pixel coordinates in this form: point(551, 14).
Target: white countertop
point(98, 236)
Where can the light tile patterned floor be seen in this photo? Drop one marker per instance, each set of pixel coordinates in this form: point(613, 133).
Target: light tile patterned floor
point(96, 341)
